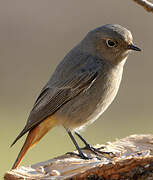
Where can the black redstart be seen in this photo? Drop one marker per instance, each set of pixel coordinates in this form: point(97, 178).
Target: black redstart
point(82, 87)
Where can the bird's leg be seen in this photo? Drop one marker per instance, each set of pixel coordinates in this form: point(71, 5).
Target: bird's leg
point(88, 146)
point(77, 146)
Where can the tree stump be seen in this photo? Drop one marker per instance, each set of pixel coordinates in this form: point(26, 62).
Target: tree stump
point(130, 158)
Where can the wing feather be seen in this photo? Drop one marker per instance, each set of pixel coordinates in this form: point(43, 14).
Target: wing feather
point(52, 98)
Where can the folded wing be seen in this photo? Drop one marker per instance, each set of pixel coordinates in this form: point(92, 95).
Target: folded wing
point(52, 98)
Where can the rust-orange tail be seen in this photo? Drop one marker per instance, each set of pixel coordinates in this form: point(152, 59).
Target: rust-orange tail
point(34, 136)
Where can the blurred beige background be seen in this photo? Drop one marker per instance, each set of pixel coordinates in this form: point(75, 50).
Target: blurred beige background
point(34, 36)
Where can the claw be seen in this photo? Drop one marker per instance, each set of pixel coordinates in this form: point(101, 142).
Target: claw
point(82, 156)
point(97, 151)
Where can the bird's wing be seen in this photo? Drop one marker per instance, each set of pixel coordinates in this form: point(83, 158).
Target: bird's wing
point(52, 98)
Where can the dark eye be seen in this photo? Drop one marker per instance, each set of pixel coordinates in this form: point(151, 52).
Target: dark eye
point(111, 43)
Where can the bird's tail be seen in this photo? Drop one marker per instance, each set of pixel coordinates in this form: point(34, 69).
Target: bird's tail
point(34, 136)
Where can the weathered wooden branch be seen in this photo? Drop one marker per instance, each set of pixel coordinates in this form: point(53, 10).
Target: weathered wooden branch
point(145, 4)
point(130, 158)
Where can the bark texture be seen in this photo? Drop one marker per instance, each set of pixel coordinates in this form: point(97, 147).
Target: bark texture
point(130, 158)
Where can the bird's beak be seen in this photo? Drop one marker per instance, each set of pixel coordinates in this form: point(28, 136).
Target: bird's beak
point(133, 47)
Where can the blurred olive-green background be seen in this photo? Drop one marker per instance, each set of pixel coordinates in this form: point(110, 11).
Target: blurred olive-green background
point(34, 36)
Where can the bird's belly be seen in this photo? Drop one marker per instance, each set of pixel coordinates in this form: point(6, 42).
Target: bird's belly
point(90, 104)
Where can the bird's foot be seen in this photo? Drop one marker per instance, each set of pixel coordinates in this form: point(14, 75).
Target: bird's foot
point(82, 156)
point(97, 151)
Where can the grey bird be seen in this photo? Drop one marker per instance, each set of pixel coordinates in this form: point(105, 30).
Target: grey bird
point(82, 87)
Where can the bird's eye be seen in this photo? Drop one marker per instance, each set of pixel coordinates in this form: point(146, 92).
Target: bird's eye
point(111, 43)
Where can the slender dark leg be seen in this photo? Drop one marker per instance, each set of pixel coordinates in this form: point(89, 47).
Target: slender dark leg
point(76, 145)
point(88, 146)
point(83, 140)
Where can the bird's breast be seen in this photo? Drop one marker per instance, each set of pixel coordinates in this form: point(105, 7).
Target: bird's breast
point(91, 103)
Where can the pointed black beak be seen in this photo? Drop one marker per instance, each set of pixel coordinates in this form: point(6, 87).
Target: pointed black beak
point(133, 47)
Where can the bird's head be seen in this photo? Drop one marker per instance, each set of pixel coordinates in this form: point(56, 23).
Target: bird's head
point(111, 42)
